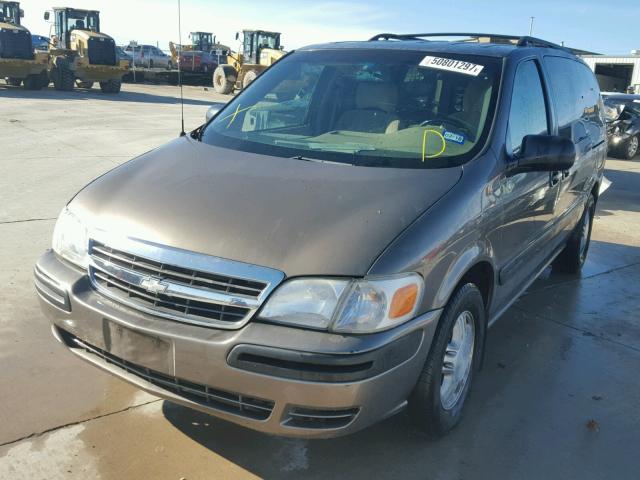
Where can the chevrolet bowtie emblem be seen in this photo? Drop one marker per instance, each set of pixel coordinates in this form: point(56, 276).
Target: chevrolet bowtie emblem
point(153, 285)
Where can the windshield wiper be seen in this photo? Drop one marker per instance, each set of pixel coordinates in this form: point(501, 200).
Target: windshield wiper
point(318, 160)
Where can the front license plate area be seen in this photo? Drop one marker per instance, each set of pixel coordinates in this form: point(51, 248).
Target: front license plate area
point(139, 348)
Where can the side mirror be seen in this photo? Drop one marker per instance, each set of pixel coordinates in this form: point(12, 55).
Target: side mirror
point(213, 111)
point(21, 13)
point(46, 16)
point(237, 35)
point(544, 153)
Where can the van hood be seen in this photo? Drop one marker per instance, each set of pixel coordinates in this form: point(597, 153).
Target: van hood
point(300, 217)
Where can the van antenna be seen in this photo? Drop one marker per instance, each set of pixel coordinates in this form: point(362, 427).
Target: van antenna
point(182, 132)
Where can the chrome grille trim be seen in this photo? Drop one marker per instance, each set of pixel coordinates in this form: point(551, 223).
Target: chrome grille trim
point(177, 284)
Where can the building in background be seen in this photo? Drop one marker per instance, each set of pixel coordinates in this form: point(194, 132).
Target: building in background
point(616, 73)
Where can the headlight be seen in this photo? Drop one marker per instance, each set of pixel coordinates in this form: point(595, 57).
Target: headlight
point(70, 239)
point(348, 306)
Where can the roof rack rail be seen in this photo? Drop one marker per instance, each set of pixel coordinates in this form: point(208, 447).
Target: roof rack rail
point(520, 41)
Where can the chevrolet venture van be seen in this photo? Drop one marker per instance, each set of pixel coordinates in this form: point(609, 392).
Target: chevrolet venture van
point(332, 245)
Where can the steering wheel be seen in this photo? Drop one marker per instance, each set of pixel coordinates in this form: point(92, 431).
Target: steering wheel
point(451, 121)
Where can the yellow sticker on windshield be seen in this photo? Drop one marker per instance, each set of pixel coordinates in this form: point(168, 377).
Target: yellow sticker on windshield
point(424, 144)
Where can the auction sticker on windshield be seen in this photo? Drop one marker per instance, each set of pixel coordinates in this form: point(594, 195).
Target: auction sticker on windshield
point(451, 65)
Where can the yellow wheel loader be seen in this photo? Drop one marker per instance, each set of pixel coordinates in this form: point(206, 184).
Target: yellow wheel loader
point(81, 54)
point(19, 65)
point(260, 49)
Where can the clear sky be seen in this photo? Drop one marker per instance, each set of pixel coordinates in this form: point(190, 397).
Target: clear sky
point(603, 26)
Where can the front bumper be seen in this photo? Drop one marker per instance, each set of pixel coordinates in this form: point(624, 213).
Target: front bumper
point(20, 68)
point(271, 378)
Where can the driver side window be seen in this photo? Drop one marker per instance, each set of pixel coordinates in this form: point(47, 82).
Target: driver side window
point(528, 114)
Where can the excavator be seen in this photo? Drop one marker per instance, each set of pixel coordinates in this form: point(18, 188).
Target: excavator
point(260, 49)
point(80, 53)
point(19, 64)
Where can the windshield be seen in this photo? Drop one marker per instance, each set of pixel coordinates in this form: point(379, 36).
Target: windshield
point(266, 40)
point(402, 109)
point(10, 13)
point(82, 20)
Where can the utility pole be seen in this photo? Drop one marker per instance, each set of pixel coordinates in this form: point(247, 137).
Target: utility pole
point(531, 26)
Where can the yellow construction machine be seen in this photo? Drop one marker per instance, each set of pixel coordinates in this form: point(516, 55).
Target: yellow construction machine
point(260, 49)
point(80, 53)
point(18, 62)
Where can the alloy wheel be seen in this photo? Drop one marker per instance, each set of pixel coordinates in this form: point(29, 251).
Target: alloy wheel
point(458, 358)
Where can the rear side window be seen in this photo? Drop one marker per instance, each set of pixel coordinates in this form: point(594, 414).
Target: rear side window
point(576, 94)
point(528, 114)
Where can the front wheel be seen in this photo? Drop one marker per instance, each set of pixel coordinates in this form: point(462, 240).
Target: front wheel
point(574, 255)
point(436, 402)
point(111, 86)
point(224, 80)
point(629, 148)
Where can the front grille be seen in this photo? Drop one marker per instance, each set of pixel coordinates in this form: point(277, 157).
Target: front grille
point(320, 418)
point(169, 289)
point(102, 51)
point(235, 403)
point(15, 44)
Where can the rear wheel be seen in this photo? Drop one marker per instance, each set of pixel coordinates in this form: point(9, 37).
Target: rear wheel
point(33, 82)
point(249, 77)
point(445, 381)
point(86, 85)
point(16, 82)
point(629, 148)
point(574, 255)
point(111, 86)
point(62, 75)
point(224, 80)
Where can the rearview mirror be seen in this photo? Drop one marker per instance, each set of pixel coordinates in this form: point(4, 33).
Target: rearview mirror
point(213, 111)
point(544, 153)
point(46, 16)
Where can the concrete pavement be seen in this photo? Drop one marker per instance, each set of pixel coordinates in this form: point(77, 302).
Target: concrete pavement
point(558, 397)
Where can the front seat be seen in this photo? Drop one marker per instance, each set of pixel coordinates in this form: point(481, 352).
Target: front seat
point(375, 109)
point(475, 104)
point(79, 25)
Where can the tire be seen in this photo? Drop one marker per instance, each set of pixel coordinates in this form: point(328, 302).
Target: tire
point(86, 85)
point(249, 77)
point(574, 255)
point(628, 149)
point(111, 86)
point(33, 82)
point(224, 80)
point(16, 82)
point(437, 400)
point(62, 75)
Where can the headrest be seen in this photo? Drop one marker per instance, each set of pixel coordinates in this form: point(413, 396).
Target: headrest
point(377, 95)
point(475, 94)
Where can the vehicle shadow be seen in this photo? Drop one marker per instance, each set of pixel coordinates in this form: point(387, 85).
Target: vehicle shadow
point(530, 401)
point(627, 191)
point(95, 94)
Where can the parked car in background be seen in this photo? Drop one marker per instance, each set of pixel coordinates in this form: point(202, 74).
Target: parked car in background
point(198, 61)
point(623, 124)
point(121, 54)
point(40, 42)
point(333, 244)
point(149, 56)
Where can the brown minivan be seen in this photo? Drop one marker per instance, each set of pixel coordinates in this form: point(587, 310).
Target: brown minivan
point(332, 245)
